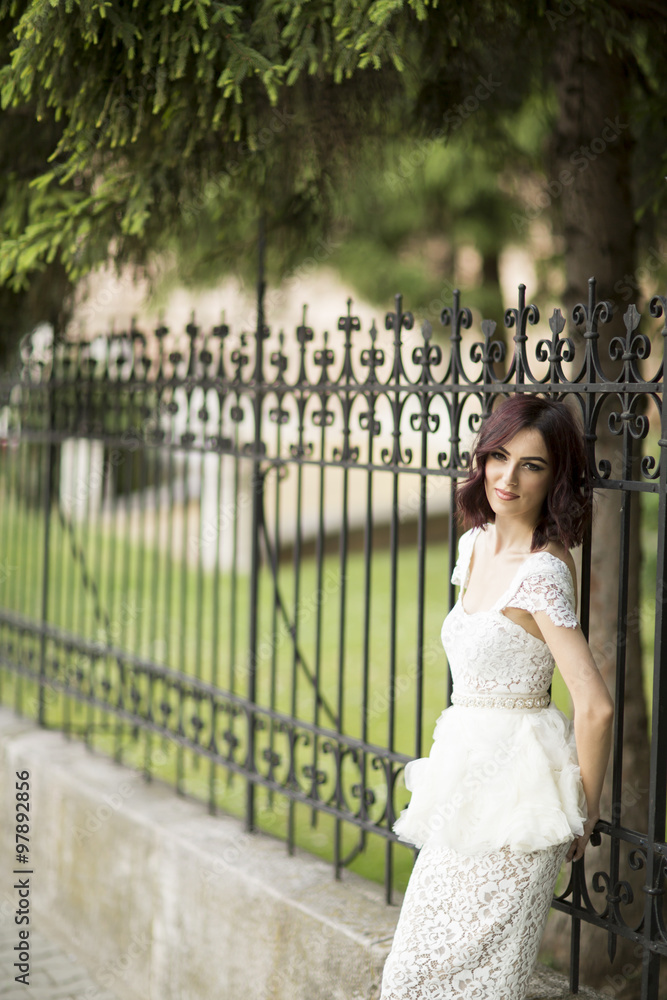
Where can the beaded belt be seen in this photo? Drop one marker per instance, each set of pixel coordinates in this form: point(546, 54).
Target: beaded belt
point(502, 700)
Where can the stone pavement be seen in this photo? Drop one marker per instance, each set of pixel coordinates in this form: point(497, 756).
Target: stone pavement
point(54, 975)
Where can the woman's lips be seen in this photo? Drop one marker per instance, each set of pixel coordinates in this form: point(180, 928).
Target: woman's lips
point(506, 496)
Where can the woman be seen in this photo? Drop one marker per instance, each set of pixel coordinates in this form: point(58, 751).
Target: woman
point(506, 794)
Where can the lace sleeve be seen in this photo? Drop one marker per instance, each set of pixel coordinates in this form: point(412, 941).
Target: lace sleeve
point(548, 586)
point(465, 550)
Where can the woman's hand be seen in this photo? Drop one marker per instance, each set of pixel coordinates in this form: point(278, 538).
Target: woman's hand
point(578, 845)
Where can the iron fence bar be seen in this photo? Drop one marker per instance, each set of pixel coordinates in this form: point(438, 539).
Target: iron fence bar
point(654, 888)
point(233, 594)
point(202, 689)
point(306, 334)
point(421, 588)
point(364, 792)
point(334, 386)
point(257, 487)
point(578, 873)
point(86, 579)
point(608, 484)
point(292, 627)
point(296, 570)
point(619, 693)
point(182, 600)
point(138, 614)
point(655, 948)
point(151, 444)
point(303, 335)
point(22, 526)
point(46, 563)
point(125, 561)
point(340, 694)
point(215, 587)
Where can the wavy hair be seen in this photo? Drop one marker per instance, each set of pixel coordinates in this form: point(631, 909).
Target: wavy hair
point(567, 508)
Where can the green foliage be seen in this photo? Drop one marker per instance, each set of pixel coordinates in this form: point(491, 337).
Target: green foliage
point(409, 212)
point(138, 108)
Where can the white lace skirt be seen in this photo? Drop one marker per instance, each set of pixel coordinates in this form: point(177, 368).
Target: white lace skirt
point(470, 926)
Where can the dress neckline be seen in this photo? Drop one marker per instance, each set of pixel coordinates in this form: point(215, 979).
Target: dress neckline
point(495, 607)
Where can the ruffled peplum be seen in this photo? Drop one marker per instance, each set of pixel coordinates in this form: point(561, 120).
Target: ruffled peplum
point(495, 777)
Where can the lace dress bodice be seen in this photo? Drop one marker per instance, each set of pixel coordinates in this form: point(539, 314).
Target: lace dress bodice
point(502, 770)
point(487, 651)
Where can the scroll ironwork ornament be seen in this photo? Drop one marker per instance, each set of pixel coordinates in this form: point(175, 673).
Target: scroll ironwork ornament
point(398, 321)
point(349, 324)
point(590, 315)
point(372, 357)
point(425, 356)
point(519, 319)
point(631, 348)
point(557, 351)
point(279, 360)
point(490, 352)
point(457, 319)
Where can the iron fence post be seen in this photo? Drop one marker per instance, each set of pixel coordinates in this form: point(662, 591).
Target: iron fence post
point(257, 507)
point(47, 494)
point(656, 863)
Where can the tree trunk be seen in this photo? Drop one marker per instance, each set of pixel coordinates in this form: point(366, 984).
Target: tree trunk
point(591, 168)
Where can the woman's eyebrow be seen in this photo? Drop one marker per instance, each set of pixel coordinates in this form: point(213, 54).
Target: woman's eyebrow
point(524, 458)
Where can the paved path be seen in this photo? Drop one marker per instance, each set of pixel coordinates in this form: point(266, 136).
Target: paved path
point(54, 975)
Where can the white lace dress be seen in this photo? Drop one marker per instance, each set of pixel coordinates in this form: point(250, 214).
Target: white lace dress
point(494, 806)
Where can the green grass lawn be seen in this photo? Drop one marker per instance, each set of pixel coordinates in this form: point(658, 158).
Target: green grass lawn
point(108, 587)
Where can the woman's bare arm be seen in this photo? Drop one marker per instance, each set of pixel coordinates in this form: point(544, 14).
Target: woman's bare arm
point(593, 714)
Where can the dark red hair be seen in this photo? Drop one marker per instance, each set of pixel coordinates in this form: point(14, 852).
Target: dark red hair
point(567, 508)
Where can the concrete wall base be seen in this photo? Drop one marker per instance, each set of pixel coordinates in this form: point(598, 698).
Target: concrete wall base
point(162, 901)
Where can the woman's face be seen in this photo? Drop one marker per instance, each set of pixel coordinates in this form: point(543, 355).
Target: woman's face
point(518, 476)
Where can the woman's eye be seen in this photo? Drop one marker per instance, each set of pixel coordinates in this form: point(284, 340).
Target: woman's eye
point(498, 455)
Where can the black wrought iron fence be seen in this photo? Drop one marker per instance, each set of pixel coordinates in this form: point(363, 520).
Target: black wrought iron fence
point(227, 561)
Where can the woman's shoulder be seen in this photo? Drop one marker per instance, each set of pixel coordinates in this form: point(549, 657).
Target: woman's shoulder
point(560, 563)
point(467, 539)
point(558, 550)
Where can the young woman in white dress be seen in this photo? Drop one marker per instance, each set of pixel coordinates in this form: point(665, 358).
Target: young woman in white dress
point(510, 789)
